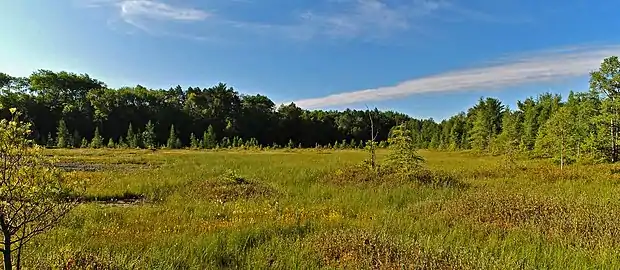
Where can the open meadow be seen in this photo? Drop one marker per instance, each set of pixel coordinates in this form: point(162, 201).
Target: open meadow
point(182, 209)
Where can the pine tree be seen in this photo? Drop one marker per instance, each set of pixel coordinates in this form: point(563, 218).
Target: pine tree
point(62, 135)
point(240, 142)
point(111, 143)
point(290, 144)
point(50, 141)
point(121, 142)
point(403, 156)
point(481, 131)
point(510, 137)
point(132, 138)
point(172, 138)
point(97, 141)
point(76, 139)
point(193, 141)
point(353, 143)
point(208, 138)
point(148, 136)
point(178, 144)
point(84, 143)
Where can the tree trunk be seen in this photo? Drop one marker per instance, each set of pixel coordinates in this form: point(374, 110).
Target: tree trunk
point(8, 265)
point(562, 154)
point(613, 141)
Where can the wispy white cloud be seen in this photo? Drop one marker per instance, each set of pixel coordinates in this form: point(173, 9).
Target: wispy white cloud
point(355, 18)
point(550, 66)
point(160, 11)
point(333, 19)
point(154, 17)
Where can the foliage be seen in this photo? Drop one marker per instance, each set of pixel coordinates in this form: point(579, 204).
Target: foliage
point(33, 195)
point(62, 135)
point(230, 119)
point(403, 156)
point(97, 141)
point(284, 214)
point(148, 136)
point(172, 138)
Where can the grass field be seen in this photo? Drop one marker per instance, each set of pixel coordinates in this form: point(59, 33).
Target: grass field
point(188, 210)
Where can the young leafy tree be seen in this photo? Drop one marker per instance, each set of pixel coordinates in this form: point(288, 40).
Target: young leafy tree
point(148, 136)
point(172, 138)
point(97, 141)
point(555, 136)
point(62, 135)
point(33, 194)
point(509, 139)
point(606, 81)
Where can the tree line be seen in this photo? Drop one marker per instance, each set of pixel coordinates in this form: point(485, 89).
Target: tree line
point(75, 110)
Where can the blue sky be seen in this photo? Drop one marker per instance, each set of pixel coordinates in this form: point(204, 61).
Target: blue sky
point(426, 58)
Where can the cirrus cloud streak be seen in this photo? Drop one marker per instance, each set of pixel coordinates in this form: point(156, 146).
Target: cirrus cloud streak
point(547, 67)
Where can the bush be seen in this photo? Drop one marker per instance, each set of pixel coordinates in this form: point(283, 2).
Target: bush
point(362, 173)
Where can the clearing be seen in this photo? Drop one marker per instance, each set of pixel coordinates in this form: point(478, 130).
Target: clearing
point(185, 209)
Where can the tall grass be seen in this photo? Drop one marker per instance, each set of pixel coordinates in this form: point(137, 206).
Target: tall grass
point(275, 209)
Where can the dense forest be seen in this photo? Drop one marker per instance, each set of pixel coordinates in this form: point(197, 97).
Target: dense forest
point(75, 110)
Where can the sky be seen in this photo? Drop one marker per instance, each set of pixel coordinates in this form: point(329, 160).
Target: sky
point(425, 58)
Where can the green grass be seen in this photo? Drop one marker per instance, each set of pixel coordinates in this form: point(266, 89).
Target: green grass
point(285, 214)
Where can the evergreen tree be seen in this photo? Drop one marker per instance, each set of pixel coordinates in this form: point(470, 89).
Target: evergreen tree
point(76, 139)
point(111, 143)
point(290, 144)
point(225, 143)
point(121, 142)
point(50, 141)
point(172, 138)
point(178, 144)
point(193, 141)
point(97, 141)
point(84, 143)
point(403, 156)
point(132, 138)
point(62, 135)
point(208, 138)
point(148, 136)
point(508, 141)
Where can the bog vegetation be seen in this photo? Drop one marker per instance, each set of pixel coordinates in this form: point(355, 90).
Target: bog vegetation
point(283, 188)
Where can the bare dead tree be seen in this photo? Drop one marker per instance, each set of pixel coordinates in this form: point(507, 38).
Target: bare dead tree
point(373, 137)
